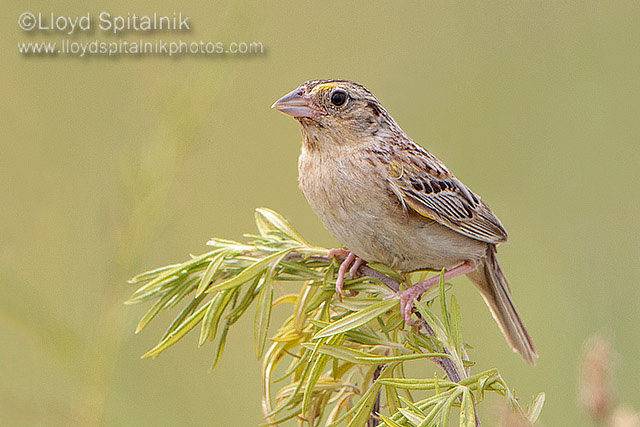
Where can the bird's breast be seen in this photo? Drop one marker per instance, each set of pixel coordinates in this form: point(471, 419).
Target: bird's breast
point(352, 199)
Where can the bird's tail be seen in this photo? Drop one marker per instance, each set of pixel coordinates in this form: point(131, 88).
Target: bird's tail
point(494, 288)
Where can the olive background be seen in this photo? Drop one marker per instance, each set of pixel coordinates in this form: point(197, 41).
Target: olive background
point(111, 166)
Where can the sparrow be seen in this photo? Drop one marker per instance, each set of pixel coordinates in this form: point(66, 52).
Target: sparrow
point(388, 200)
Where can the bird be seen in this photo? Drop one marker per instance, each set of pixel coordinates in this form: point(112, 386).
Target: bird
point(389, 200)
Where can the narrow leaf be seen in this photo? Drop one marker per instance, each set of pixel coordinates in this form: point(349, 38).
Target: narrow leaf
point(221, 343)
point(148, 275)
point(445, 412)
point(446, 319)
point(179, 320)
point(357, 318)
point(365, 405)
point(536, 408)
point(389, 422)
point(456, 325)
point(318, 366)
point(418, 384)
point(431, 419)
point(212, 316)
point(412, 417)
point(212, 269)
point(263, 316)
point(250, 294)
point(393, 400)
point(179, 332)
point(467, 411)
point(267, 219)
point(361, 357)
point(248, 273)
point(155, 309)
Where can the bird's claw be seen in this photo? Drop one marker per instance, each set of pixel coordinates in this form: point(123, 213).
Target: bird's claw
point(337, 252)
point(350, 258)
point(407, 301)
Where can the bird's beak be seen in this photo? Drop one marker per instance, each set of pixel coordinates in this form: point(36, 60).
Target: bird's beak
point(296, 104)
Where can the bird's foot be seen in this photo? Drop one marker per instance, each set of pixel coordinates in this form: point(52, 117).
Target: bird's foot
point(353, 271)
point(408, 296)
point(350, 259)
point(407, 301)
point(338, 252)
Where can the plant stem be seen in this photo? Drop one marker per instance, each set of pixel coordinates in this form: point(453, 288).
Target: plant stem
point(446, 364)
point(373, 418)
point(393, 284)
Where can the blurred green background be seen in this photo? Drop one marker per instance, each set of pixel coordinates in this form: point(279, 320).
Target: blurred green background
point(110, 166)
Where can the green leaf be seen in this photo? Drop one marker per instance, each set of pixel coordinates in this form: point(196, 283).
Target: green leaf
point(445, 412)
point(319, 363)
point(186, 312)
point(221, 343)
point(300, 308)
point(389, 422)
point(155, 309)
point(368, 338)
point(360, 357)
point(433, 321)
point(393, 323)
point(249, 273)
point(357, 318)
point(151, 288)
point(298, 386)
point(482, 385)
point(334, 372)
point(207, 322)
point(269, 220)
point(411, 416)
point(184, 287)
point(212, 269)
point(467, 410)
point(214, 313)
point(446, 319)
point(179, 332)
point(148, 275)
point(263, 316)
point(536, 408)
point(250, 294)
point(393, 400)
point(303, 272)
point(418, 384)
point(412, 407)
point(358, 412)
point(440, 401)
point(365, 405)
point(456, 325)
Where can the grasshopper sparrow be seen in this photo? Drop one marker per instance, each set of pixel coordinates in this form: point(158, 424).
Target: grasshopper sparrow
point(389, 200)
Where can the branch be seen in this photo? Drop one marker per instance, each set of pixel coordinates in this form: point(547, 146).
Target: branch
point(393, 284)
point(330, 348)
point(446, 364)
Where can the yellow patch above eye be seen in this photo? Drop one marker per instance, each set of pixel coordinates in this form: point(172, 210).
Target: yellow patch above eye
point(325, 86)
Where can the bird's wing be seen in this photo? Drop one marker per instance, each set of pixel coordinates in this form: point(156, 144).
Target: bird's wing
point(427, 187)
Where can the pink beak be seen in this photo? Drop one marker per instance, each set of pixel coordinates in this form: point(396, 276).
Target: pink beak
point(296, 104)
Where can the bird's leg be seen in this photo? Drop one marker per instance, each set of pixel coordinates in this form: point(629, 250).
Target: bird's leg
point(341, 273)
point(338, 252)
point(350, 258)
point(407, 297)
point(353, 271)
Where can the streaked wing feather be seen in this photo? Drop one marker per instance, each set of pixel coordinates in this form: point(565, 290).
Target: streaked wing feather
point(446, 200)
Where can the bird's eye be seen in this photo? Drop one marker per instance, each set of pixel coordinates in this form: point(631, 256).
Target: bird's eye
point(338, 98)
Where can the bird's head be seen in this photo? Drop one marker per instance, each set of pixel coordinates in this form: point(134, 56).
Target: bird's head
point(338, 111)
